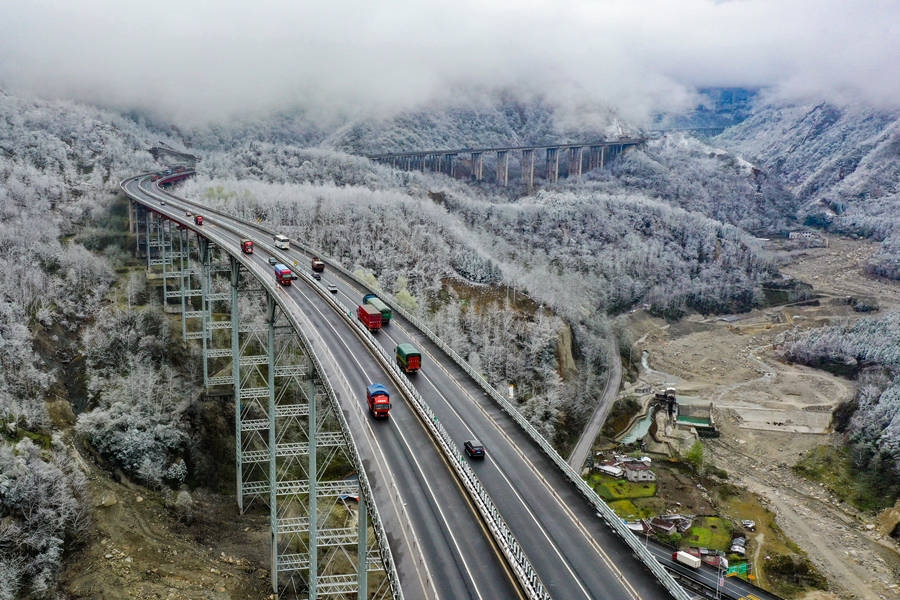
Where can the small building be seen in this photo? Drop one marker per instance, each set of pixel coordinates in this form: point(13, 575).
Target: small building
point(637, 472)
point(682, 523)
point(641, 526)
point(662, 525)
point(612, 470)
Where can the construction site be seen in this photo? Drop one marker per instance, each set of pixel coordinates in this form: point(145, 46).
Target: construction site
point(757, 416)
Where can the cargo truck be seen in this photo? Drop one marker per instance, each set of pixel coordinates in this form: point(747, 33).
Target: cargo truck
point(283, 274)
point(383, 308)
point(317, 265)
point(686, 558)
point(408, 357)
point(247, 246)
point(369, 316)
point(379, 400)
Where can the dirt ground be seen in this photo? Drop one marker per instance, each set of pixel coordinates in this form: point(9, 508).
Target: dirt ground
point(142, 546)
point(770, 413)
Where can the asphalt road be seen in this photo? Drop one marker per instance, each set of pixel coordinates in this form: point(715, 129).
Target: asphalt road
point(610, 391)
point(439, 544)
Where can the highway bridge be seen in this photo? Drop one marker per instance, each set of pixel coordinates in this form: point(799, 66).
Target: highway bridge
point(468, 163)
point(520, 524)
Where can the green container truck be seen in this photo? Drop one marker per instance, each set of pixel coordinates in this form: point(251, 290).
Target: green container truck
point(383, 308)
point(408, 357)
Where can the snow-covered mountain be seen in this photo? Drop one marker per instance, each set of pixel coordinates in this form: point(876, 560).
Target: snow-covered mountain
point(842, 163)
point(500, 120)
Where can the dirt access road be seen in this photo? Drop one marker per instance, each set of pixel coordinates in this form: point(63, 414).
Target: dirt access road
point(771, 413)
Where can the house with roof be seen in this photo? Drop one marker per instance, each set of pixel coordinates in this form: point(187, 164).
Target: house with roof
point(638, 472)
point(662, 525)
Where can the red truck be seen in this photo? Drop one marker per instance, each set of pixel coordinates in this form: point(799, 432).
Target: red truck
point(283, 274)
point(247, 246)
point(408, 357)
point(379, 400)
point(317, 264)
point(198, 219)
point(369, 316)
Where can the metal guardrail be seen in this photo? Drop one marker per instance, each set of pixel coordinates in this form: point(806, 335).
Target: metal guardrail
point(611, 519)
point(384, 549)
point(491, 516)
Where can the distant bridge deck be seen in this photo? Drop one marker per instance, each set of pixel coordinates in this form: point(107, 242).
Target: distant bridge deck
point(442, 161)
point(595, 144)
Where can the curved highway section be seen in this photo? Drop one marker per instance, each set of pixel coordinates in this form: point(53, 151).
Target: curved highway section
point(438, 544)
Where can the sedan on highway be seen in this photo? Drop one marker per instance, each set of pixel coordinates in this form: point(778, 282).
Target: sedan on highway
point(474, 449)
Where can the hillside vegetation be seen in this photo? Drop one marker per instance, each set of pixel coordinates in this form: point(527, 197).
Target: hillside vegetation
point(869, 350)
point(61, 164)
point(520, 283)
point(841, 162)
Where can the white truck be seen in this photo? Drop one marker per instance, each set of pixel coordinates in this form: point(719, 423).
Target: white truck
point(686, 558)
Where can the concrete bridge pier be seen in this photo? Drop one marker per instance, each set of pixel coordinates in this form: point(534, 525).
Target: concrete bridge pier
point(597, 156)
point(576, 155)
point(477, 166)
point(528, 167)
point(447, 164)
point(503, 167)
point(552, 165)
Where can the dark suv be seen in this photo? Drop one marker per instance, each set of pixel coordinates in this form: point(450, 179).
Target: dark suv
point(474, 449)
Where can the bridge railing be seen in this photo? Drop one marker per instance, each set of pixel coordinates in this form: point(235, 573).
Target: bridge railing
point(384, 548)
point(611, 519)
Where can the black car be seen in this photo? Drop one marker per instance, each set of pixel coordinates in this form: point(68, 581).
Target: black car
point(473, 449)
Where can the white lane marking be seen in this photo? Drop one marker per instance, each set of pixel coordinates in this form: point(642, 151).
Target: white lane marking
point(412, 454)
point(607, 560)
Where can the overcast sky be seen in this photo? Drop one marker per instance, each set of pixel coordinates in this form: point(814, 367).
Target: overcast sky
point(209, 59)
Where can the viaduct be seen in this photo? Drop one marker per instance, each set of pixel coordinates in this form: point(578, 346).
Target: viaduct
point(468, 163)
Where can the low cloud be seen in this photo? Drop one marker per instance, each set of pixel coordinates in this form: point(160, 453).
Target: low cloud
point(212, 60)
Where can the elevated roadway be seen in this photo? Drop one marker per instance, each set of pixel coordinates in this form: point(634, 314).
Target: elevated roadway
point(439, 543)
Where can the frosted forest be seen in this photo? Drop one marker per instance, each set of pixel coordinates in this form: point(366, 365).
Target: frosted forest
point(87, 356)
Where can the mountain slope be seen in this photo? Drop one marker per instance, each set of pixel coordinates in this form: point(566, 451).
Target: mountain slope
point(842, 163)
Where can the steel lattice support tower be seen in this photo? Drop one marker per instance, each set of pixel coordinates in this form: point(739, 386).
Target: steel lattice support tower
point(191, 289)
point(214, 296)
point(286, 433)
point(139, 228)
point(288, 439)
point(174, 253)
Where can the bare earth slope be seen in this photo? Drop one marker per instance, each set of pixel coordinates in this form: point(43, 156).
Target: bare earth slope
point(770, 413)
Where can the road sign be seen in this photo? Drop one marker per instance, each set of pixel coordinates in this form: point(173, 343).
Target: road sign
point(740, 569)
